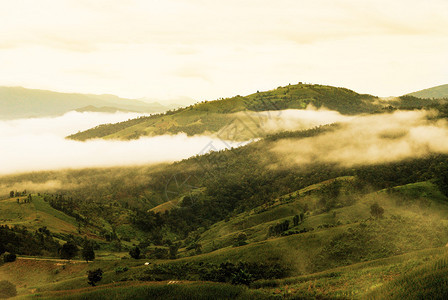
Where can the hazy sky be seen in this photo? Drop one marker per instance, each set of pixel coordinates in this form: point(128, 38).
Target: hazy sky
point(208, 49)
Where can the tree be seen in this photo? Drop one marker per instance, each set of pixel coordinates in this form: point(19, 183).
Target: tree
point(240, 240)
point(11, 194)
point(173, 250)
point(242, 277)
point(9, 257)
point(87, 252)
point(94, 276)
point(442, 179)
point(376, 210)
point(69, 250)
point(135, 252)
point(198, 248)
point(296, 220)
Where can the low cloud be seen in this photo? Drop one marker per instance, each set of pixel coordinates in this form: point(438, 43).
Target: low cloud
point(370, 139)
point(39, 144)
point(297, 119)
point(47, 186)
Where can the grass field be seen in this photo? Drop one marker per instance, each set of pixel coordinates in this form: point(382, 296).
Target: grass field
point(347, 254)
point(35, 214)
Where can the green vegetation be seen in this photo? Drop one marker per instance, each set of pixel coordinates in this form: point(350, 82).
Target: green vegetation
point(428, 281)
point(440, 91)
point(203, 290)
point(215, 116)
point(235, 119)
point(243, 217)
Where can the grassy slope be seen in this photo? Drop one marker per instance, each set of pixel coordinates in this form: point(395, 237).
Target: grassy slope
point(440, 91)
point(36, 214)
point(428, 281)
point(213, 116)
point(421, 204)
point(160, 290)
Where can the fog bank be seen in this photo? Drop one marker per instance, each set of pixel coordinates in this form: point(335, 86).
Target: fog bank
point(40, 144)
point(370, 139)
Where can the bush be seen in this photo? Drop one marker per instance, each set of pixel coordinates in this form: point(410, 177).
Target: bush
point(9, 257)
point(69, 250)
point(135, 252)
point(119, 270)
point(94, 276)
point(7, 289)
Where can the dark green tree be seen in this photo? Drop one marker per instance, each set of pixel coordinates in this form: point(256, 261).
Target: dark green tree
point(240, 240)
point(442, 179)
point(296, 220)
point(11, 194)
point(198, 248)
point(135, 252)
point(376, 210)
point(173, 250)
point(87, 252)
point(242, 277)
point(68, 250)
point(94, 276)
point(9, 257)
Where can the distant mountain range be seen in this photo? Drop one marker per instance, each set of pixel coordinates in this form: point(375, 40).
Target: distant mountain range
point(440, 91)
point(19, 102)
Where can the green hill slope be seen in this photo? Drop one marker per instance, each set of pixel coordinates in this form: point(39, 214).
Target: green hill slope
point(215, 116)
point(18, 102)
point(35, 214)
point(440, 91)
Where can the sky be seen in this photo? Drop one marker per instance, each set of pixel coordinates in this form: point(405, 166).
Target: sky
point(210, 49)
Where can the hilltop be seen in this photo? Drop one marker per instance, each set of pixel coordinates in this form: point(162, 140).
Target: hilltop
point(212, 117)
point(245, 116)
point(18, 102)
point(440, 91)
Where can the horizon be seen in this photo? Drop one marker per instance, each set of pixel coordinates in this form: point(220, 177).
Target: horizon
point(148, 49)
point(186, 99)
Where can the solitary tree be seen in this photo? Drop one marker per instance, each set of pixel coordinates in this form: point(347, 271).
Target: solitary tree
point(240, 240)
point(376, 210)
point(296, 220)
point(135, 252)
point(9, 257)
point(94, 276)
point(69, 250)
point(174, 248)
point(87, 252)
point(198, 248)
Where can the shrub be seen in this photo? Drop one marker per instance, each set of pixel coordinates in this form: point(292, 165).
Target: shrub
point(94, 276)
point(9, 257)
point(119, 270)
point(135, 252)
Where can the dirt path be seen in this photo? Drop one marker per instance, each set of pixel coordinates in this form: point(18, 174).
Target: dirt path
point(53, 259)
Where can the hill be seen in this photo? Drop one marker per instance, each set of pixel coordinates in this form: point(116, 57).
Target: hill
point(440, 91)
point(242, 216)
point(18, 102)
point(245, 118)
point(245, 113)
